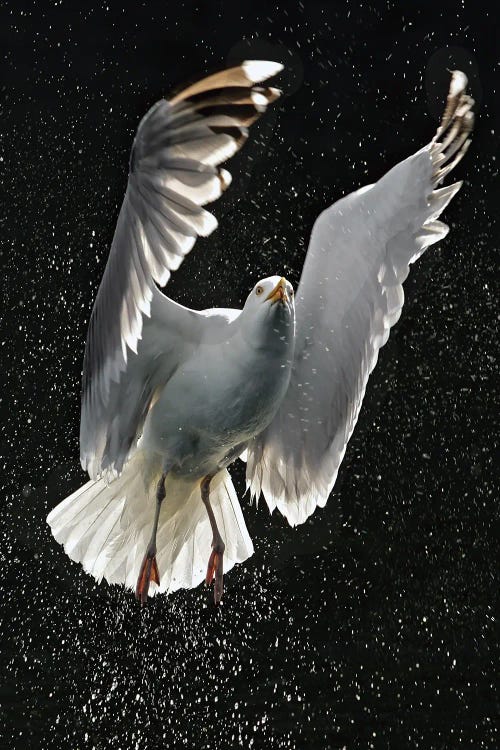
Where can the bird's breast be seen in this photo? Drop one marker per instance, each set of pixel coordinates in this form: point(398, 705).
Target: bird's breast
point(221, 397)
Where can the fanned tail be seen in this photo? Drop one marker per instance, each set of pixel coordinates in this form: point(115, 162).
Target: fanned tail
point(106, 527)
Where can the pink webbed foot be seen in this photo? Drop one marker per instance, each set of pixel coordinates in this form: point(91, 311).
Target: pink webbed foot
point(215, 569)
point(149, 572)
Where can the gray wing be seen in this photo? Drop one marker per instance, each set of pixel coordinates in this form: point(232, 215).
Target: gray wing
point(350, 294)
point(173, 172)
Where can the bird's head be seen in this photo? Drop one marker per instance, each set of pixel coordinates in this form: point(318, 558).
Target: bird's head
point(269, 311)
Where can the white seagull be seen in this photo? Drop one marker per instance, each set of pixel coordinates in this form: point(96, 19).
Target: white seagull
point(172, 396)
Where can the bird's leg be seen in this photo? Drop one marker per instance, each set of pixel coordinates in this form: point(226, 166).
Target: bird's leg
point(215, 562)
point(149, 568)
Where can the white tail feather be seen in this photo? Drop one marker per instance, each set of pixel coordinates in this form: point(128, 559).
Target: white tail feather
point(106, 527)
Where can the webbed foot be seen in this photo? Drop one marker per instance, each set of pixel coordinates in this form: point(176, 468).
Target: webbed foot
point(215, 569)
point(149, 572)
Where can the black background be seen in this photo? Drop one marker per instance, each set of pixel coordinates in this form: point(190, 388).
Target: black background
point(373, 624)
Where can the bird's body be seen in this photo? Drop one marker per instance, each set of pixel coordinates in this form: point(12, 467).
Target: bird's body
point(224, 394)
point(172, 396)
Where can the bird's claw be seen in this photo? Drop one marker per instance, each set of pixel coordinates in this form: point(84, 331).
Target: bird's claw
point(215, 570)
point(149, 572)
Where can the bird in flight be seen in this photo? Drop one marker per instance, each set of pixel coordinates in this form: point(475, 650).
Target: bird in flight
point(172, 396)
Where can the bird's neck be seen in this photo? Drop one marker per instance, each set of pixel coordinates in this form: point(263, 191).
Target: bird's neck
point(273, 335)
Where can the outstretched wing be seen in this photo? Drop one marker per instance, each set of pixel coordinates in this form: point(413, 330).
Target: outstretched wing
point(350, 294)
point(173, 172)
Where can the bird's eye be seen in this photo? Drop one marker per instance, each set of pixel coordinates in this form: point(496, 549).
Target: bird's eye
point(259, 290)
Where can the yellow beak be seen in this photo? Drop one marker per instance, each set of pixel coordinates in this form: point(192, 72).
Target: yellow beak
point(279, 292)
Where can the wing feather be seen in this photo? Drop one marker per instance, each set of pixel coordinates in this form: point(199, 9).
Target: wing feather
point(349, 296)
point(174, 170)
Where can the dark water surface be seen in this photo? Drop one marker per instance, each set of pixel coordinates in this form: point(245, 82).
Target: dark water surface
point(373, 625)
